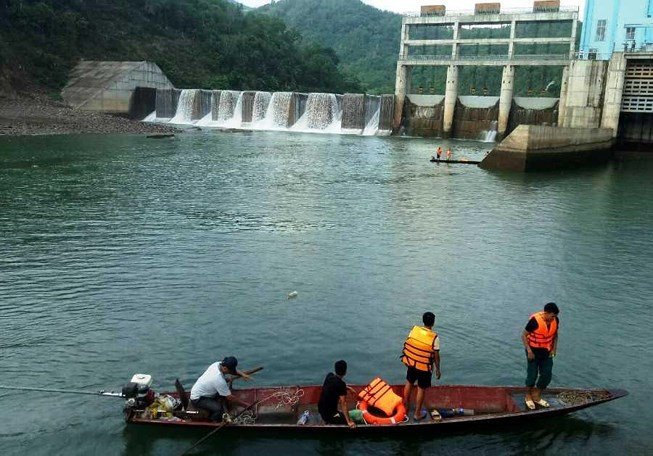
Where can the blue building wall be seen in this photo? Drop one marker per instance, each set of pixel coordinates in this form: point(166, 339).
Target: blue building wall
point(620, 16)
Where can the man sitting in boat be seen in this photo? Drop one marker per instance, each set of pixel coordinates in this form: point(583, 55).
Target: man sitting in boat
point(334, 393)
point(421, 352)
point(211, 390)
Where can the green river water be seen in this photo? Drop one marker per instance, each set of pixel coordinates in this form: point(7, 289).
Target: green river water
point(123, 255)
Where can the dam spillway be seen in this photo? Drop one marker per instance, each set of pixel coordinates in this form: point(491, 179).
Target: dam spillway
point(358, 114)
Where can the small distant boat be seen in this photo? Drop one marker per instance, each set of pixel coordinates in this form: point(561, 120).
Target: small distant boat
point(160, 135)
point(465, 162)
point(278, 409)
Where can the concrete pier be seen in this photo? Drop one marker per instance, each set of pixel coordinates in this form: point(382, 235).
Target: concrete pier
point(537, 148)
point(614, 88)
point(505, 100)
point(402, 87)
point(450, 98)
point(564, 88)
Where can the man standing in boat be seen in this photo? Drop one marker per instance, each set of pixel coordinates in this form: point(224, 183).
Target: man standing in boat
point(540, 338)
point(211, 390)
point(334, 394)
point(421, 352)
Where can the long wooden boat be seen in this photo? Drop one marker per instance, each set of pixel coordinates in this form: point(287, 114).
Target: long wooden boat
point(278, 409)
point(459, 162)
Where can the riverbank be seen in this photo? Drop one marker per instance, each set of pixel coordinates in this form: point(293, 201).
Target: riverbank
point(38, 114)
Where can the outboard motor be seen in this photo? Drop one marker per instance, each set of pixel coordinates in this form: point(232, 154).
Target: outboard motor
point(137, 392)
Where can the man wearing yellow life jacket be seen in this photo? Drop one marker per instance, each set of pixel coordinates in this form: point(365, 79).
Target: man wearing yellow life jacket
point(540, 338)
point(421, 352)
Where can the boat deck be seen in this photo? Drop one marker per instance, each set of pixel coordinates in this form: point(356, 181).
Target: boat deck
point(279, 408)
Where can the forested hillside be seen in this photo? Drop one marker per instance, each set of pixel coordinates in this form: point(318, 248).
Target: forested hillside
point(197, 43)
point(365, 39)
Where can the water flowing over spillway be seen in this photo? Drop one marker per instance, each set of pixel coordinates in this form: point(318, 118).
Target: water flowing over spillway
point(261, 103)
point(184, 107)
point(358, 114)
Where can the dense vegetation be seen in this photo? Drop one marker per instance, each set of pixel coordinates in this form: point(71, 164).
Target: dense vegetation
point(197, 43)
point(365, 39)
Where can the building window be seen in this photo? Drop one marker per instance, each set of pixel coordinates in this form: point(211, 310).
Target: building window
point(630, 33)
point(600, 29)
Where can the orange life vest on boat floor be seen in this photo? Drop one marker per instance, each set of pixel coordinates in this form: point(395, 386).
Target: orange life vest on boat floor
point(418, 349)
point(544, 335)
point(379, 394)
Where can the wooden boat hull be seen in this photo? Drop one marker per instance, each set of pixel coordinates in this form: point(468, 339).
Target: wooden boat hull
point(492, 406)
point(459, 162)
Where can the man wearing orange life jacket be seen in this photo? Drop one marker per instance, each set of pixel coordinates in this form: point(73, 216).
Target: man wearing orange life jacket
point(540, 338)
point(421, 351)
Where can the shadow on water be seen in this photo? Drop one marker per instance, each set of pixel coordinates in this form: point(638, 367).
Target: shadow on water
point(547, 435)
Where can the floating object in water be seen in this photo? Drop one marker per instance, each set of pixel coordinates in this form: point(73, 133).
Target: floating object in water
point(292, 294)
point(161, 135)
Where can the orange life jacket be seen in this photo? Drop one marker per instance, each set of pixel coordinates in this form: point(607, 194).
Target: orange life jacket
point(379, 395)
point(418, 349)
point(544, 335)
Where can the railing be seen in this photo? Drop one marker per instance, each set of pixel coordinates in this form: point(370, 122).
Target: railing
point(562, 9)
point(586, 55)
point(503, 57)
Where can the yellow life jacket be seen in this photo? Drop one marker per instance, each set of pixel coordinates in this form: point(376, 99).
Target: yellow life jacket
point(379, 395)
point(418, 349)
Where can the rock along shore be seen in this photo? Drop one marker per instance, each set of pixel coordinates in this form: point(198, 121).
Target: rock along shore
point(36, 114)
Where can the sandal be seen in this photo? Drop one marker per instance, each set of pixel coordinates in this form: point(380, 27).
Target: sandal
point(422, 416)
point(543, 403)
point(530, 405)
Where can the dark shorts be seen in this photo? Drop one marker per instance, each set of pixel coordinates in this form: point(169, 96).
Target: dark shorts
point(336, 418)
point(422, 378)
point(213, 405)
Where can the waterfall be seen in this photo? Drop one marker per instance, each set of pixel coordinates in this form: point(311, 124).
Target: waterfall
point(491, 134)
point(372, 126)
point(185, 107)
point(227, 105)
point(322, 114)
point(236, 119)
point(261, 103)
point(372, 115)
point(277, 112)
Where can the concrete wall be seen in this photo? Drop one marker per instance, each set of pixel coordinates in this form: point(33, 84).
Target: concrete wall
point(533, 148)
point(108, 86)
point(584, 97)
point(614, 88)
point(424, 115)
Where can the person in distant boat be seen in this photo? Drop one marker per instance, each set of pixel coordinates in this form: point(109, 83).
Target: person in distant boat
point(439, 152)
point(448, 153)
point(540, 339)
point(334, 395)
point(211, 390)
point(420, 354)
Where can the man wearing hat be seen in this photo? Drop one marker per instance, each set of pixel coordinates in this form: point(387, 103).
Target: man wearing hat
point(211, 390)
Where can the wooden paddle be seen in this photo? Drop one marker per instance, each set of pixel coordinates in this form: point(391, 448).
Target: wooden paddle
point(248, 372)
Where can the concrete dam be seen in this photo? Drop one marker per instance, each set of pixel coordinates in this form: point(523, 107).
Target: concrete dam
point(358, 114)
point(501, 43)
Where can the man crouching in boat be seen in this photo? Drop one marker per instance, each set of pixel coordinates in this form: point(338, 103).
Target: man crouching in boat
point(211, 390)
point(334, 393)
